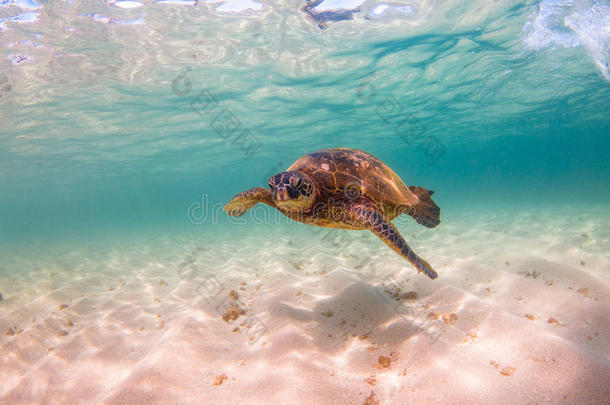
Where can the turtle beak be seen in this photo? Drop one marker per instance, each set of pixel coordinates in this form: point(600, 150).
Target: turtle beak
point(280, 194)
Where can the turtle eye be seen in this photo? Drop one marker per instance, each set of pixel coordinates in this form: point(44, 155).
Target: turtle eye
point(271, 183)
point(295, 182)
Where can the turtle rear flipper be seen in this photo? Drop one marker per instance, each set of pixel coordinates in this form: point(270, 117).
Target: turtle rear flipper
point(426, 212)
point(245, 200)
point(385, 230)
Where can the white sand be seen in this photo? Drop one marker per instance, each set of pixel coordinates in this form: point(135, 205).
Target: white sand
point(142, 327)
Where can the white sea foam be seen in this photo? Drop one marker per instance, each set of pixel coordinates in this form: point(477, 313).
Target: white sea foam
point(178, 2)
point(19, 18)
point(569, 23)
point(25, 4)
point(124, 3)
point(328, 5)
point(236, 6)
point(385, 10)
point(114, 20)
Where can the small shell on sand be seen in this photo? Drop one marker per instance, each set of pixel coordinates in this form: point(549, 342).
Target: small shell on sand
point(384, 362)
point(233, 313)
point(410, 295)
point(220, 379)
point(371, 400)
point(507, 371)
point(449, 319)
point(13, 331)
point(433, 315)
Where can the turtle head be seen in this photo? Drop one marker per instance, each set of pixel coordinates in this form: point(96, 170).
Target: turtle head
point(292, 191)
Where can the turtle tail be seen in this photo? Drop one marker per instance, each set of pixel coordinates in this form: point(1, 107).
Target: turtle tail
point(426, 212)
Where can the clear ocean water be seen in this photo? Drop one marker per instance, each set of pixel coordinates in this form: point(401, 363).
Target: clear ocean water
point(503, 103)
point(125, 126)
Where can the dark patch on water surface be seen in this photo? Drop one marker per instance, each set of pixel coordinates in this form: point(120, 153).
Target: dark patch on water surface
point(322, 18)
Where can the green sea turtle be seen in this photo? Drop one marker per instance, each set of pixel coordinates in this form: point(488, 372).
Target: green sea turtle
point(348, 189)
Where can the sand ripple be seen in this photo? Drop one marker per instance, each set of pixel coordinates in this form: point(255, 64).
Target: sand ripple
point(519, 314)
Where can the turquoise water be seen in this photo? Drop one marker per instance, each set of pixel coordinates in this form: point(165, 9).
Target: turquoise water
point(96, 142)
point(504, 104)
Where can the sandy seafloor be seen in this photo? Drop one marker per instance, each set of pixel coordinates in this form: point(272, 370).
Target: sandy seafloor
point(520, 314)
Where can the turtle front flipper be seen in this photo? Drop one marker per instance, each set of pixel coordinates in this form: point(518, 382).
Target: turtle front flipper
point(245, 200)
point(385, 230)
